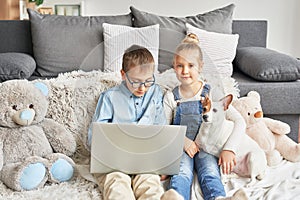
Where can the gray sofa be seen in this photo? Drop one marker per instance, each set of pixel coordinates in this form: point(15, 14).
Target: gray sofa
point(279, 99)
point(280, 94)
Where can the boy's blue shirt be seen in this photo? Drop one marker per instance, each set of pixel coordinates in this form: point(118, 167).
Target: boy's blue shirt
point(119, 105)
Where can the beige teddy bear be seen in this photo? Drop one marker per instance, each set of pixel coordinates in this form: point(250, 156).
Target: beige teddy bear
point(270, 134)
point(33, 149)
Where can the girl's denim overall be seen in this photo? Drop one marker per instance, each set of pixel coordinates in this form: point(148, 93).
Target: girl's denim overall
point(206, 166)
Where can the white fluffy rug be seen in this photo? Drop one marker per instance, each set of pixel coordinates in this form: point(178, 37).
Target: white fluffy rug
point(77, 189)
point(74, 97)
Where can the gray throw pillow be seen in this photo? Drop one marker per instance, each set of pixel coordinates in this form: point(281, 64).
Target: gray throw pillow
point(67, 43)
point(173, 30)
point(16, 66)
point(267, 65)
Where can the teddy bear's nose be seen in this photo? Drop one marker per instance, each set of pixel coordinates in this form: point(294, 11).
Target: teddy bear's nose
point(258, 114)
point(26, 115)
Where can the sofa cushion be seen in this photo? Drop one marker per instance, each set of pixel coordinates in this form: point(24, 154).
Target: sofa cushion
point(16, 66)
point(172, 29)
point(276, 97)
point(219, 47)
point(267, 65)
point(118, 38)
point(15, 36)
point(67, 43)
point(253, 33)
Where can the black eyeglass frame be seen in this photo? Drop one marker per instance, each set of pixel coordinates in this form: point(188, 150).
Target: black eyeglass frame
point(139, 84)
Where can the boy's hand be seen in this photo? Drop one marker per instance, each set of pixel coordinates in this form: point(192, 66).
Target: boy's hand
point(192, 149)
point(227, 161)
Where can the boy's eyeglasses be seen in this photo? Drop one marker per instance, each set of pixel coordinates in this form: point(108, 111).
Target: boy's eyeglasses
point(139, 84)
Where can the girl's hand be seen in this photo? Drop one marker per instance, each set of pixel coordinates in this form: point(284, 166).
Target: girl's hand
point(227, 161)
point(192, 149)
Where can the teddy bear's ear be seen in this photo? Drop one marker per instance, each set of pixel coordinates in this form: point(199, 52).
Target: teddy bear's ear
point(42, 87)
point(254, 94)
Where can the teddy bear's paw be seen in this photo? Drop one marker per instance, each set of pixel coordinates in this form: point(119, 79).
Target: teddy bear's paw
point(61, 170)
point(291, 152)
point(33, 176)
point(274, 158)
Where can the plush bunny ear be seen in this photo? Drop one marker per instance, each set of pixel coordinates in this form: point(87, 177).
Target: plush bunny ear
point(254, 94)
point(42, 87)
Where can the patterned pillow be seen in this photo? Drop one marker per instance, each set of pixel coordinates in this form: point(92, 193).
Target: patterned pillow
point(220, 48)
point(118, 38)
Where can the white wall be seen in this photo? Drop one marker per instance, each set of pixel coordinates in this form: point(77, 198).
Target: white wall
point(282, 15)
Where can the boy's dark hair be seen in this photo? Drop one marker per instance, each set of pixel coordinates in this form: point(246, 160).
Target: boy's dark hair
point(137, 56)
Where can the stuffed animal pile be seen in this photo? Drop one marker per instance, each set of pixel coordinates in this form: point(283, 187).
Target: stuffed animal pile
point(270, 134)
point(34, 149)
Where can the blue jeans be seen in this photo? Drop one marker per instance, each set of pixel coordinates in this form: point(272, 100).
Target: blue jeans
point(207, 169)
point(209, 176)
point(182, 182)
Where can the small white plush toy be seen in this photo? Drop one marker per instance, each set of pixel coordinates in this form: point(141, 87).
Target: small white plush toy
point(34, 149)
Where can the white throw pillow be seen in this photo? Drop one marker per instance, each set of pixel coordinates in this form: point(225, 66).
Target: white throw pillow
point(118, 38)
point(219, 47)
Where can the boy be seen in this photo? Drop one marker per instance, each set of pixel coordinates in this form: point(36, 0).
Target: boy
point(136, 100)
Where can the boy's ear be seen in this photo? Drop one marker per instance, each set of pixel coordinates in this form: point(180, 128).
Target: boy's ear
point(123, 74)
point(226, 101)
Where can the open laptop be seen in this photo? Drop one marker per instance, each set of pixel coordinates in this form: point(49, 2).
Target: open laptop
point(135, 149)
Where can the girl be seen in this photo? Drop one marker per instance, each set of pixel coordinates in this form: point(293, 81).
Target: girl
point(183, 107)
